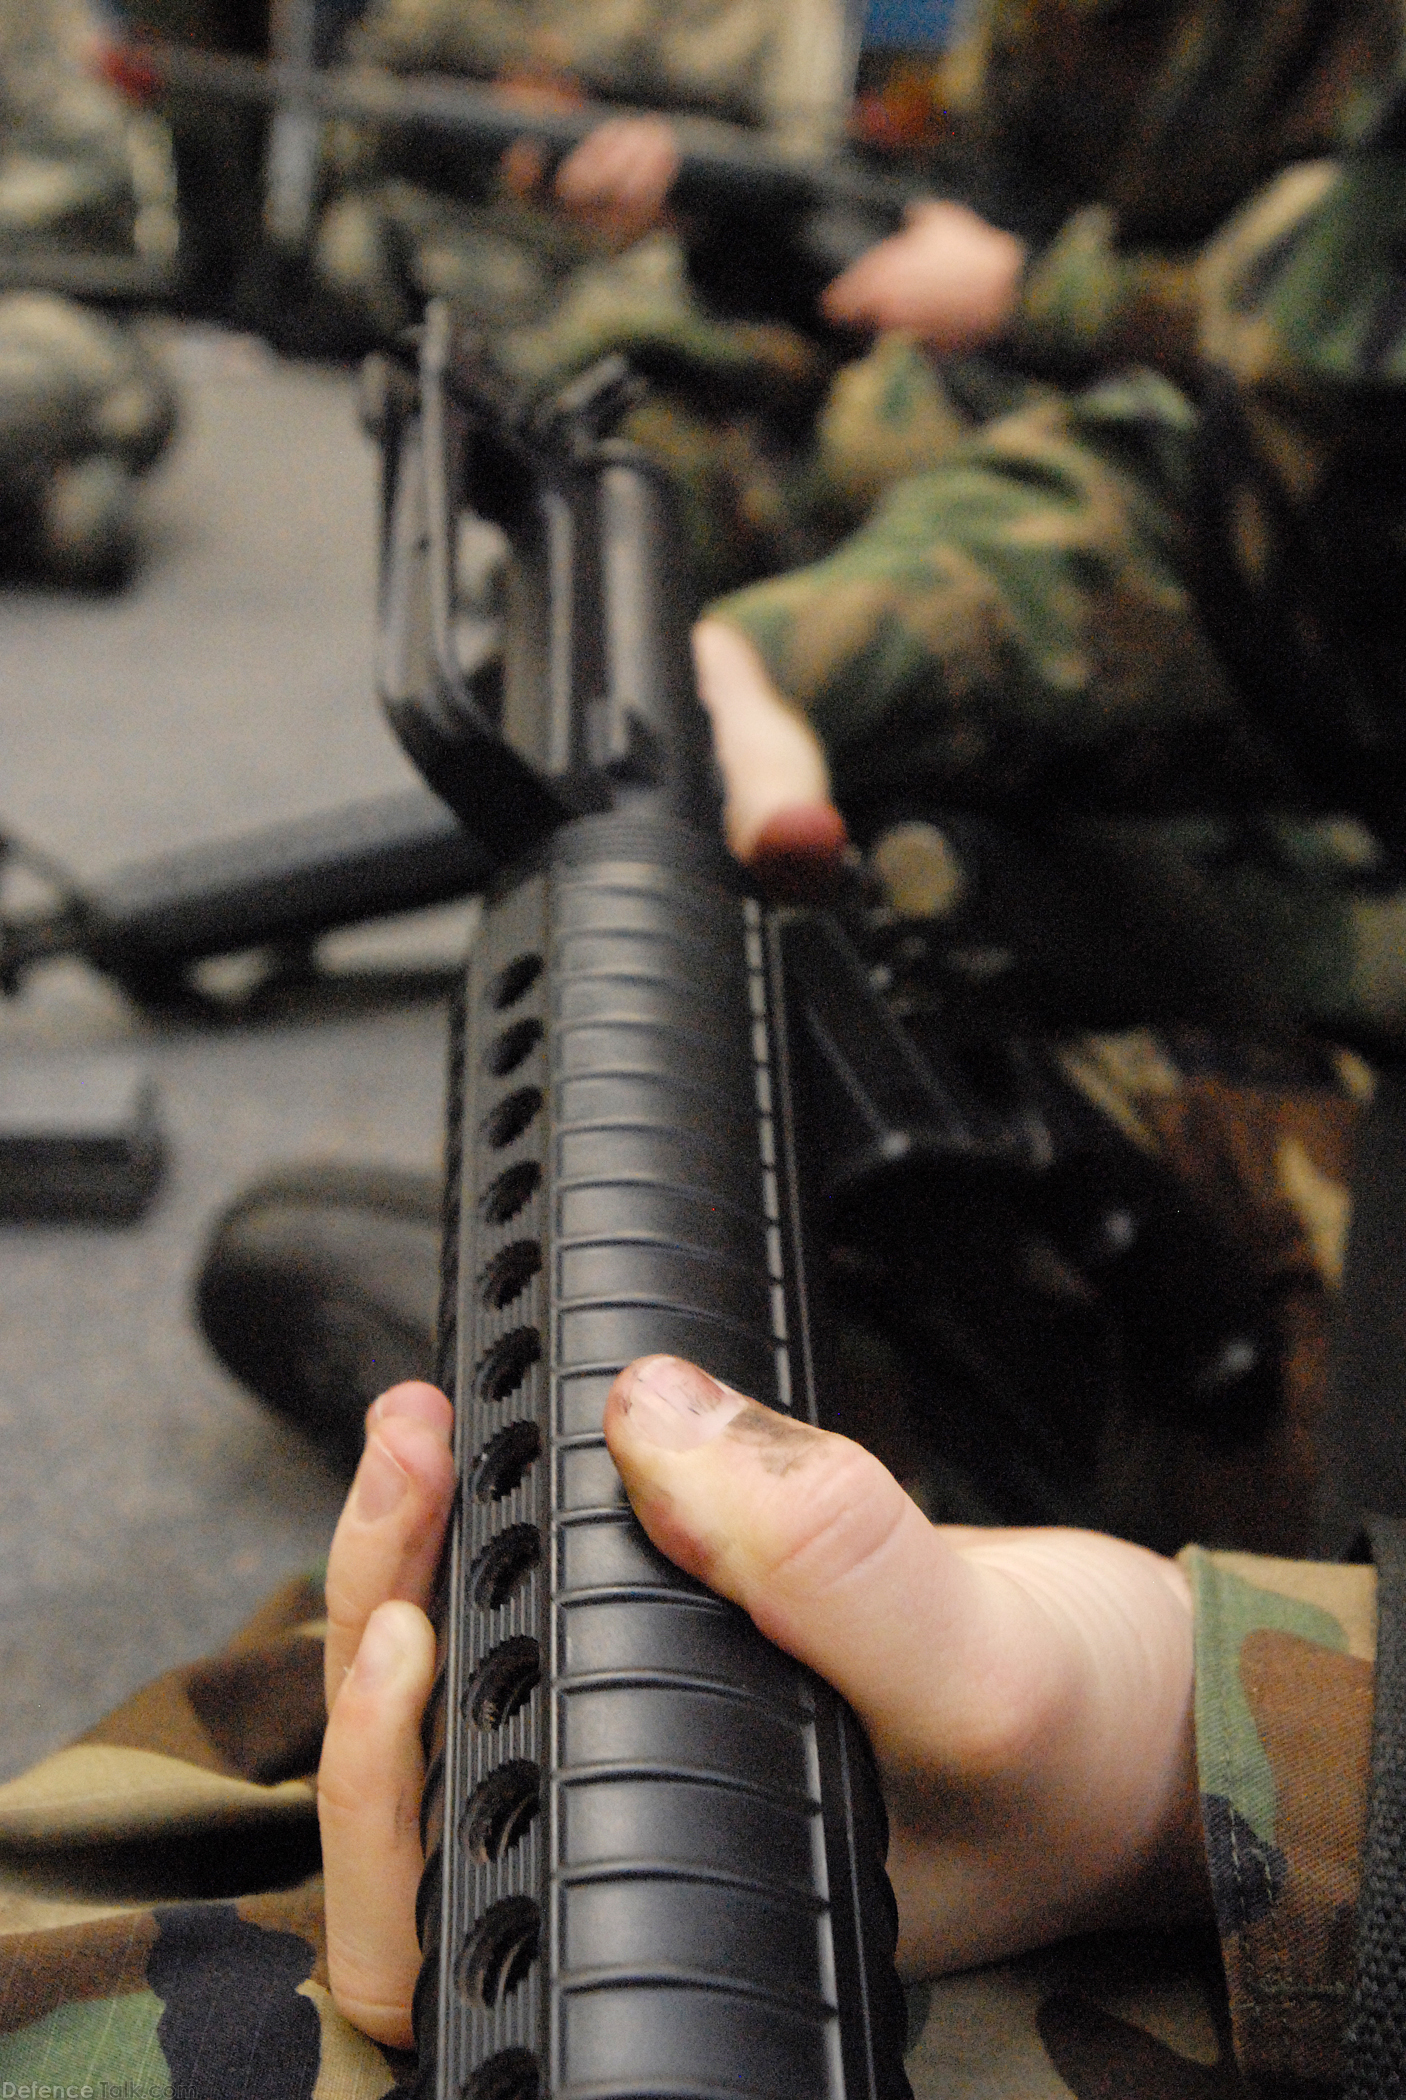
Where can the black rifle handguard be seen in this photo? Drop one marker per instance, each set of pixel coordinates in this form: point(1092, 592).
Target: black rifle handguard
point(655, 1843)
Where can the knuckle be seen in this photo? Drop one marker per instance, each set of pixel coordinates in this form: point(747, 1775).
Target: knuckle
point(341, 1789)
point(825, 1536)
point(348, 1600)
point(386, 2020)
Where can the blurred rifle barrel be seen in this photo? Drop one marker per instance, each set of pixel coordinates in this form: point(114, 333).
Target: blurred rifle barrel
point(144, 924)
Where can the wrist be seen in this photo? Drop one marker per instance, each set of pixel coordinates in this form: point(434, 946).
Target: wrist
point(1134, 1837)
point(1074, 1804)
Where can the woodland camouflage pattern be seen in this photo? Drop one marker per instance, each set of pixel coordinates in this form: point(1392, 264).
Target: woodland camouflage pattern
point(1284, 1654)
point(1145, 127)
point(1025, 623)
point(160, 1909)
point(161, 1931)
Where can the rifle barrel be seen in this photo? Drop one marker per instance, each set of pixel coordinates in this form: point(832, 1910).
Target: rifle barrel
point(284, 882)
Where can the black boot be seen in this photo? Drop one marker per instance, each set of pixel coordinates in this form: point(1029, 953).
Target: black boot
point(318, 1290)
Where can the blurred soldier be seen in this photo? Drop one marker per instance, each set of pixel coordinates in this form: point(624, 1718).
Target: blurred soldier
point(404, 224)
point(1096, 148)
point(85, 200)
point(218, 150)
point(79, 172)
point(1100, 146)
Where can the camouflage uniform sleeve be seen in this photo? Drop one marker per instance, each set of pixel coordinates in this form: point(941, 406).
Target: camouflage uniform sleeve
point(1086, 301)
point(1196, 105)
point(1021, 608)
point(1284, 1655)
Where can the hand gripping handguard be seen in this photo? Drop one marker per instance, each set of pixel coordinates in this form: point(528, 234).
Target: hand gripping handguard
point(654, 1843)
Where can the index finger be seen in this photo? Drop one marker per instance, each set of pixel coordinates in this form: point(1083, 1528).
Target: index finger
point(389, 1536)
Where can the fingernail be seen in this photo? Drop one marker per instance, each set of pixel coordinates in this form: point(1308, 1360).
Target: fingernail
point(380, 1483)
point(378, 1657)
point(674, 1404)
point(798, 856)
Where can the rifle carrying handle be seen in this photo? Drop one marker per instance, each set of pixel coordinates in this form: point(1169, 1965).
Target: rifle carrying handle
point(655, 1844)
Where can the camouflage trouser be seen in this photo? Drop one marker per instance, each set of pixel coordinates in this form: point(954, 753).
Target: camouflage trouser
point(162, 1933)
point(85, 410)
point(387, 246)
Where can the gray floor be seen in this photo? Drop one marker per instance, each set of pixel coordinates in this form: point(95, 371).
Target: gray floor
point(146, 1502)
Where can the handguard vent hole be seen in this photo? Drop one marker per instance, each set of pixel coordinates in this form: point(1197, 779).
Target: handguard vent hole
point(511, 2075)
point(502, 1566)
point(504, 1460)
point(508, 1050)
point(508, 1363)
point(514, 1187)
point(509, 1273)
point(501, 1810)
point(504, 1682)
point(511, 1116)
point(518, 977)
point(500, 1950)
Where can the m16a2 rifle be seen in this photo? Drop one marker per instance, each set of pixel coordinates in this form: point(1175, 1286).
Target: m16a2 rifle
point(654, 1845)
point(721, 163)
point(821, 209)
point(279, 888)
